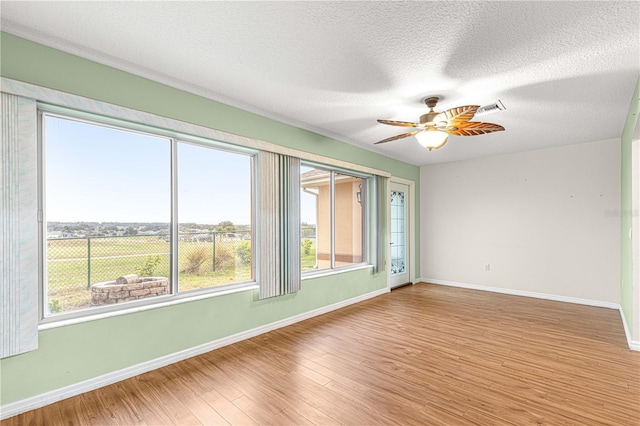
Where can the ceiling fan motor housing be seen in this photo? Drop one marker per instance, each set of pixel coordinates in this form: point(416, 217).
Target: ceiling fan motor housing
point(429, 118)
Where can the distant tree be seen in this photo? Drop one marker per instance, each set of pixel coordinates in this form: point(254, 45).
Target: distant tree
point(226, 225)
point(130, 230)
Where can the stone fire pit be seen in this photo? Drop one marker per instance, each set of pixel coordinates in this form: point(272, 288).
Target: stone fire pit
point(126, 288)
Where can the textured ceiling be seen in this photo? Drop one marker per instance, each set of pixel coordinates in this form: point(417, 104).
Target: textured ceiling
point(565, 70)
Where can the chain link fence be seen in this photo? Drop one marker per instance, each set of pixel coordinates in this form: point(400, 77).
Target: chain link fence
point(204, 259)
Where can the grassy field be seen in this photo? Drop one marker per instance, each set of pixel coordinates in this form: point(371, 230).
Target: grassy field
point(69, 278)
point(78, 247)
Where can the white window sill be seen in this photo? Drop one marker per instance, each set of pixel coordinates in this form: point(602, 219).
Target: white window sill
point(51, 322)
point(327, 272)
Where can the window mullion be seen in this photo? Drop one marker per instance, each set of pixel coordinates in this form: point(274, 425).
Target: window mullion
point(332, 203)
point(174, 228)
point(364, 203)
point(42, 231)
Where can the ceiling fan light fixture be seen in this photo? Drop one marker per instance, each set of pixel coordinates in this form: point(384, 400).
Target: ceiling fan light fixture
point(434, 127)
point(432, 139)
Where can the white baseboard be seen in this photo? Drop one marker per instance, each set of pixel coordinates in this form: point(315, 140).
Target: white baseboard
point(558, 298)
point(633, 345)
point(31, 403)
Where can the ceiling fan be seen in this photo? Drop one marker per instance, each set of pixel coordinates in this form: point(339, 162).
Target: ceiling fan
point(434, 127)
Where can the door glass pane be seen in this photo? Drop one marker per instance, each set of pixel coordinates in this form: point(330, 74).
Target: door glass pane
point(398, 260)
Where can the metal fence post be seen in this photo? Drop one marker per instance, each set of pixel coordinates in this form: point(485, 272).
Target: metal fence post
point(214, 251)
point(88, 262)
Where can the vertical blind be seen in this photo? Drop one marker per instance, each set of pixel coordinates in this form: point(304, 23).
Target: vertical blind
point(279, 245)
point(381, 204)
point(18, 226)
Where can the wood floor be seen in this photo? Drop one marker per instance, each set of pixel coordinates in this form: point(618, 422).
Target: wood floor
point(423, 355)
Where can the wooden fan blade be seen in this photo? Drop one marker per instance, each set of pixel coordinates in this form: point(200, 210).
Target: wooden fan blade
point(473, 128)
point(460, 114)
point(399, 123)
point(393, 138)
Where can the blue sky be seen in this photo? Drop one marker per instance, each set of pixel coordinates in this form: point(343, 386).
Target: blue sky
point(307, 203)
point(101, 174)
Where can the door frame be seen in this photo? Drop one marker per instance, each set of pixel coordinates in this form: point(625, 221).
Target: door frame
point(411, 247)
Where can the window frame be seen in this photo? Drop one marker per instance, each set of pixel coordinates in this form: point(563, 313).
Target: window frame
point(175, 207)
point(174, 138)
point(366, 229)
point(214, 131)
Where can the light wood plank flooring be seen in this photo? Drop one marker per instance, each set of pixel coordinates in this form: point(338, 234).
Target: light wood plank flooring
point(421, 355)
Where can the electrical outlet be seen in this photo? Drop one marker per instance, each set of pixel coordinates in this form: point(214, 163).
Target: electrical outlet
point(487, 267)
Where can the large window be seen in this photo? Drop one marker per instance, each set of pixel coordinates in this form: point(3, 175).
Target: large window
point(333, 215)
point(133, 216)
point(214, 187)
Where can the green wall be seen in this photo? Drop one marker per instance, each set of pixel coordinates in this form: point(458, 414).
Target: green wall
point(626, 291)
point(71, 354)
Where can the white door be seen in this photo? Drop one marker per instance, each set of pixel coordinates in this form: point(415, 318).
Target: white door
point(399, 234)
